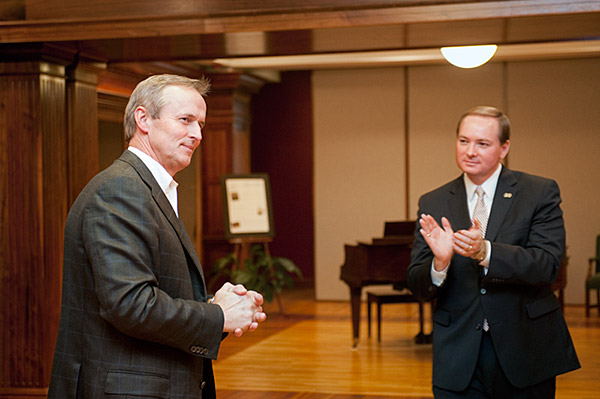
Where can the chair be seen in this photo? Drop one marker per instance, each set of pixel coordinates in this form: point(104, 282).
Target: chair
point(592, 281)
point(395, 296)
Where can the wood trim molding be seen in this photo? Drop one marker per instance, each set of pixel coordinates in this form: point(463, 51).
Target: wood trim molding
point(23, 393)
point(285, 19)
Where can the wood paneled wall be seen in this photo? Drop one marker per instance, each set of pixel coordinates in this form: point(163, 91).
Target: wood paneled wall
point(48, 152)
point(33, 203)
point(12, 10)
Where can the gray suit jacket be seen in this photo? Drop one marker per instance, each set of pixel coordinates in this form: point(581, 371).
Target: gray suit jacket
point(134, 321)
point(527, 235)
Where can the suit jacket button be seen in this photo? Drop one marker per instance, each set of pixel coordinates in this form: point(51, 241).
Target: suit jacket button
point(483, 291)
point(202, 384)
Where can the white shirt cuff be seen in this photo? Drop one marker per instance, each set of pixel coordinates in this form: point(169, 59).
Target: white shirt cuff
point(438, 277)
point(486, 262)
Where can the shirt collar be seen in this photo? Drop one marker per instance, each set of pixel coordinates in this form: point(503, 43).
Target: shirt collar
point(163, 178)
point(489, 186)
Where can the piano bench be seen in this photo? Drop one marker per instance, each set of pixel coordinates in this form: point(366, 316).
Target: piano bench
point(381, 298)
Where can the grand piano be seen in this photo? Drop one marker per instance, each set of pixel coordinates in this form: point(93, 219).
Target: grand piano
point(383, 261)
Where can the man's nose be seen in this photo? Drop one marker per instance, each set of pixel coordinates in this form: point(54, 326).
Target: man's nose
point(196, 132)
point(471, 149)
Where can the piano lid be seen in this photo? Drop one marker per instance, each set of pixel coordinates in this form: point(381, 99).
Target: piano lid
point(403, 228)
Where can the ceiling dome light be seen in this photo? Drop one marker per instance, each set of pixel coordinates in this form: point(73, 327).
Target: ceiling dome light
point(469, 56)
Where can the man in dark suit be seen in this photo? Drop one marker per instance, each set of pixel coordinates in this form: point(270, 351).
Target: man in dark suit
point(498, 328)
point(135, 317)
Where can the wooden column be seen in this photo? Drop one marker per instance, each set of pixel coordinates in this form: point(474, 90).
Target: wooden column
point(48, 151)
point(225, 149)
point(33, 207)
point(82, 105)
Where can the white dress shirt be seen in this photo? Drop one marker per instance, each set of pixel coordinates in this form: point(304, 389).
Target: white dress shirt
point(164, 179)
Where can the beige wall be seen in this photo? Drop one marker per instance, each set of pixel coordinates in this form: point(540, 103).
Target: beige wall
point(359, 147)
point(359, 134)
point(556, 107)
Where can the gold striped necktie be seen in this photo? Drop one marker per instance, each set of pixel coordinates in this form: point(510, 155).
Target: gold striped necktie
point(480, 211)
point(480, 214)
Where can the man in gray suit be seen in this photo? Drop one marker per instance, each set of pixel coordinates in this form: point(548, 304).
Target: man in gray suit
point(498, 330)
point(135, 317)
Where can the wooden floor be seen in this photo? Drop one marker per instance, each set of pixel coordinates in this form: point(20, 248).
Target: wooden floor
point(306, 353)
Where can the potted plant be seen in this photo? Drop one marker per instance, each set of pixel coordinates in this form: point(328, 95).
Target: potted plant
point(260, 272)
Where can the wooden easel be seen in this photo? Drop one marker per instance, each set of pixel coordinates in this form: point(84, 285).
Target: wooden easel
point(242, 252)
point(242, 247)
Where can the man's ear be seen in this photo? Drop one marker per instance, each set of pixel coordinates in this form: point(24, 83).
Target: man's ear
point(141, 118)
point(504, 149)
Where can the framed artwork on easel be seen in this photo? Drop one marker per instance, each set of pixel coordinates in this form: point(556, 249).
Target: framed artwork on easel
point(247, 206)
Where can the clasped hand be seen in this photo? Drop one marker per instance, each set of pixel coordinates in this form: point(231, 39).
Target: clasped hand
point(444, 242)
point(242, 309)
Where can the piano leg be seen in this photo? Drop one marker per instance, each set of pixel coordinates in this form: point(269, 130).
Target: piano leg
point(355, 295)
point(421, 337)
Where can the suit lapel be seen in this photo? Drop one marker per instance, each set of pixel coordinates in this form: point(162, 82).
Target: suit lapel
point(165, 206)
point(506, 192)
point(459, 210)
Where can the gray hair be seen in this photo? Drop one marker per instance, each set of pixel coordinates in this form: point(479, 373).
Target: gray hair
point(148, 94)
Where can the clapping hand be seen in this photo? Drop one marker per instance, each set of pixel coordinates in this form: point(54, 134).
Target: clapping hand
point(439, 239)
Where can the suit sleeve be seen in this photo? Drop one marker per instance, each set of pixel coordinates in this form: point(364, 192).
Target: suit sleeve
point(419, 272)
point(124, 233)
point(531, 245)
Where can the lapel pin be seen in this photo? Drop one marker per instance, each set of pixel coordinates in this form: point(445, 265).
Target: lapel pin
point(507, 195)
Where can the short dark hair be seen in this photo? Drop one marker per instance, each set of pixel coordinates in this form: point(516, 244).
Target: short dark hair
point(148, 93)
point(492, 112)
